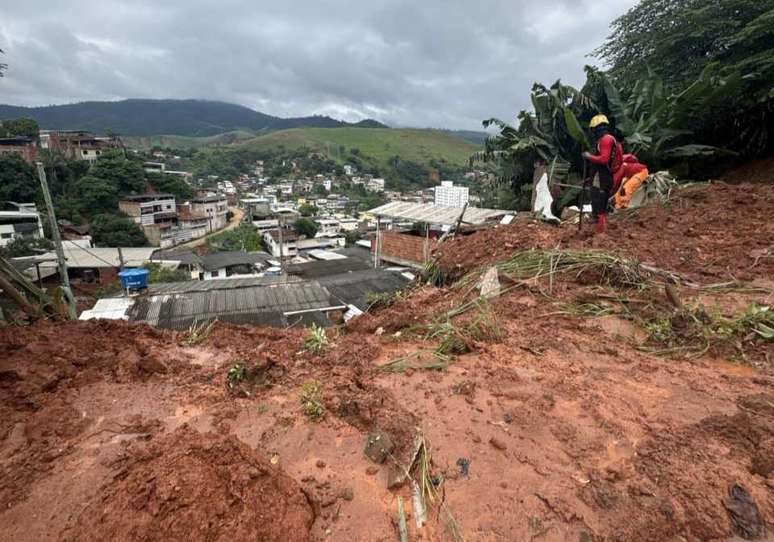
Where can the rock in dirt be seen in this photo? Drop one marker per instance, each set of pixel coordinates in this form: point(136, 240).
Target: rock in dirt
point(378, 447)
point(744, 513)
point(498, 444)
point(490, 283)
point(192, 486)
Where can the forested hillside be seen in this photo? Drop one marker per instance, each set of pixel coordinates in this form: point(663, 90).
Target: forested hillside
point(198, 118)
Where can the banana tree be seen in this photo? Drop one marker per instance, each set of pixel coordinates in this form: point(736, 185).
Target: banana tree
point(550, 134)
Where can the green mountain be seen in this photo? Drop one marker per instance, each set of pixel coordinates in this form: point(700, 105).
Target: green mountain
point(378, 146)
point(193, 118)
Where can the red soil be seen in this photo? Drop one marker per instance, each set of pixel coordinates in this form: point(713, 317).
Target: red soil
point(189, 486)
point(112, 430)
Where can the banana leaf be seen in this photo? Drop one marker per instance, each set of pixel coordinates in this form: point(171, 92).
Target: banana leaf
point(575, 130)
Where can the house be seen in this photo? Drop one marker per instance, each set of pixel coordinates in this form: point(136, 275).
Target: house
point(196, 224)
point(349, 224)
point(375, 185)
point(150, 209)
point(157, 216)
point(321, 241)
point(219, 265)
point(101, 264)
point(20, 222)
point(23, 146)
point(327, 225)
point(78, 144)
point(284, 248)
point(349, 170)
point(154, 167)
point(412, 248)
point(215, 208)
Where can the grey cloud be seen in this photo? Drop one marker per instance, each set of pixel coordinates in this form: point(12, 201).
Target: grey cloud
point(445, 63)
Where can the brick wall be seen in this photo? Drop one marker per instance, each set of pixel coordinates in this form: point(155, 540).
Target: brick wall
point(404, 249)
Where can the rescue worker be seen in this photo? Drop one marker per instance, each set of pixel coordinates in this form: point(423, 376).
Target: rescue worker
point(606, 166)
point(634, 175)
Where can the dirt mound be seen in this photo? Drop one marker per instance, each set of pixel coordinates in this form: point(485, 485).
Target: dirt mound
point(190, 486)
point(754, 171)
point(40, 358)
point(41, 364)
point(710, 233)
point(462, 254)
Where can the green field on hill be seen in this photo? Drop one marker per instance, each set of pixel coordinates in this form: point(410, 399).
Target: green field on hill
point(145, 143)
point(376, 145)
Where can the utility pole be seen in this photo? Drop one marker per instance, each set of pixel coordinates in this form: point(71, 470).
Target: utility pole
point(68, 293)
point(121, 267)
point(279, 230)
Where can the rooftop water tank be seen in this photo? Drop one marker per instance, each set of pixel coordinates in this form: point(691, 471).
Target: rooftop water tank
point(134, 279)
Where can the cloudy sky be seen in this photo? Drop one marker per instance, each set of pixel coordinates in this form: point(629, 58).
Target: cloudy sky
point(438, 63)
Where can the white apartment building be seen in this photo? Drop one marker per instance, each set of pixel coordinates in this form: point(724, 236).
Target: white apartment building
point(448, 195)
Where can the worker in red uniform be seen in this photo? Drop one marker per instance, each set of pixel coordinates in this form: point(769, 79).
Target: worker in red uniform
point(634, 175)
point(606, 166)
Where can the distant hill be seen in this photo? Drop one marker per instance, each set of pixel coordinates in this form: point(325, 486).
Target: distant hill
point(193, 118)
point(374, 145)
point(187, 142)
point(477, 138)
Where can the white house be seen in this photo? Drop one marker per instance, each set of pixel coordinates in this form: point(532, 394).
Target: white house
point(23, 223)
point(328, 225)
point(375, 185)
point(289, 245)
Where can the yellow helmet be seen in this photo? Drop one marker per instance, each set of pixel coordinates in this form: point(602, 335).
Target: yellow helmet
point(599, 119)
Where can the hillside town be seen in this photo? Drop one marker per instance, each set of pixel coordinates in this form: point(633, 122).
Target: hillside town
point(302, 228)
point(387, 272)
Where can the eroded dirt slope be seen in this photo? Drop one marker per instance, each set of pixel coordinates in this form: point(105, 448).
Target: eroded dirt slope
point(544, 422)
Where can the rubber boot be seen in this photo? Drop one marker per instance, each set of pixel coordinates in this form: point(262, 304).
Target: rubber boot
point(602, 223)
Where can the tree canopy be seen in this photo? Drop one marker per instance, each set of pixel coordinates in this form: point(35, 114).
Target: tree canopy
point(171, 184)
point(126, 176)
point(308, 209)
point(95, 195)
point(685, 41)
point(110, 230)
point(305, 226)
point(18, 181)
point(19, 127)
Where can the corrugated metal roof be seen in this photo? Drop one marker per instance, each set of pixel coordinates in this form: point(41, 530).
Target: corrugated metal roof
point(435, 214)
point(262, 304)
point(82, 257)
point(324, 268)
point(354, 288)
point(216, 284)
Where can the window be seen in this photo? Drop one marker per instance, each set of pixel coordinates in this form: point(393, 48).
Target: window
point(6, 236)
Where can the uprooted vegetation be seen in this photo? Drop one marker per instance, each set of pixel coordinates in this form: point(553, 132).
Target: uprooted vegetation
point(565, 390)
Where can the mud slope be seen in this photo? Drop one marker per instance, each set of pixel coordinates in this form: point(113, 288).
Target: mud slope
point(551, 413)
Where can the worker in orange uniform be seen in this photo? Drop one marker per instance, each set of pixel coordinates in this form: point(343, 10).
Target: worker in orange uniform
point(635, 174)
point(606, 166)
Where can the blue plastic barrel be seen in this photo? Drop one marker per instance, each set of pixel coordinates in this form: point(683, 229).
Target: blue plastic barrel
point(136, 279)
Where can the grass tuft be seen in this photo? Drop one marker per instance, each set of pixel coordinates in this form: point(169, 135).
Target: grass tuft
point(311, 398)
point(317, 341)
